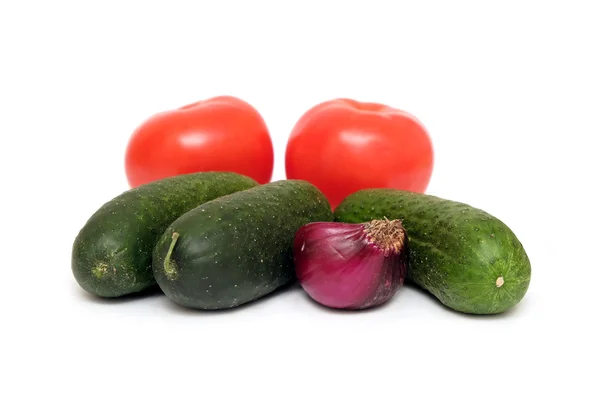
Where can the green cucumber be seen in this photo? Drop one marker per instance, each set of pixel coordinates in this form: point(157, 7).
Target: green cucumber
point(471, 261)
point(238, 248)
point(112, 254)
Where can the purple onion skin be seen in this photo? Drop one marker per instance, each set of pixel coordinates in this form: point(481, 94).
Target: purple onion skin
point(346, 266)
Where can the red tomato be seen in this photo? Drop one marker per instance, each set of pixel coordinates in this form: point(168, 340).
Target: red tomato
point(342, 146)
point(219, 134)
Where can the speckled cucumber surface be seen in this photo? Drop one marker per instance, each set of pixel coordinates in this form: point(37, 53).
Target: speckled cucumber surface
point(112, 254)
point(238, 248)
point(470, 260)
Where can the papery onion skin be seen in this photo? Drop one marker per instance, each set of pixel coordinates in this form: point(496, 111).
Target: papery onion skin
point(351, 266)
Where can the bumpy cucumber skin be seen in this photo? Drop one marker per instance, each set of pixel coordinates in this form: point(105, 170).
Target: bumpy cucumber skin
point(112, 254)
point(237, 248)
point(457, 252)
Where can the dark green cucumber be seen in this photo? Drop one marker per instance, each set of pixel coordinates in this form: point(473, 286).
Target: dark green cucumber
point(237, 248)
point(468, 259)
point(112, 254)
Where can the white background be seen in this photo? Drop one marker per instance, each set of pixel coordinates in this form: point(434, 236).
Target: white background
point(510, 93)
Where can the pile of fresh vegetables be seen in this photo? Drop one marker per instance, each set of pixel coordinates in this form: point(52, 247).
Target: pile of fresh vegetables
point(351, 223)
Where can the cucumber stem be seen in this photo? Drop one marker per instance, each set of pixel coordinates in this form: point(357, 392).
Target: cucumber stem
point(169, 265)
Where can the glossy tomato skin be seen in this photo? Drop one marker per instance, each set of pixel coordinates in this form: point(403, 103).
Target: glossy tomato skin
point(218, 134)
point(343, 146)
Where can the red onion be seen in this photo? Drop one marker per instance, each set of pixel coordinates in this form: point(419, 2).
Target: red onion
point(351, 266)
